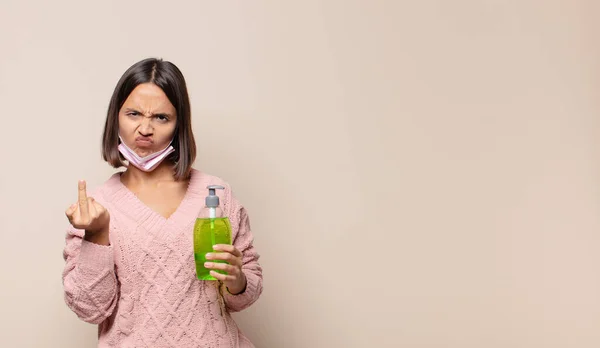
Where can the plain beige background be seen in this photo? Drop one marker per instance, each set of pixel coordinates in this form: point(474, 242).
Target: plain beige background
point(418, 173)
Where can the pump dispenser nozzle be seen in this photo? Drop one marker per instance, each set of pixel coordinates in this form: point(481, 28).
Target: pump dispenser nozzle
point(212, 200)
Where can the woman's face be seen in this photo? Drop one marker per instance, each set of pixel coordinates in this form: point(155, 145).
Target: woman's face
point(147, 120)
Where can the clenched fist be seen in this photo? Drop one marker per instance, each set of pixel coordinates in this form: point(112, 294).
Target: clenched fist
point(89, 215)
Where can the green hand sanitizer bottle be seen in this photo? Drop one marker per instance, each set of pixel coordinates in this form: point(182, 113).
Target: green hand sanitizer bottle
point(211, 227)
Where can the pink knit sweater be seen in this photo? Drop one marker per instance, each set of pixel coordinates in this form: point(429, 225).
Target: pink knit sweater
point(142, 290)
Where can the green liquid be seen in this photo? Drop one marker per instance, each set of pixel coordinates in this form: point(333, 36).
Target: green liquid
point(208, 232)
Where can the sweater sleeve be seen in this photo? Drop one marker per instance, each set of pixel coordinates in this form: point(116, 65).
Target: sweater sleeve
point(243, 241)
point(89, 279)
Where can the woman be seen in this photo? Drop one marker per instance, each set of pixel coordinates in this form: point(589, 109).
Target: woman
point(129, 254)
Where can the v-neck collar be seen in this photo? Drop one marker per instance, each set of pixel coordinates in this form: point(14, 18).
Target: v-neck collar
point(125, 200)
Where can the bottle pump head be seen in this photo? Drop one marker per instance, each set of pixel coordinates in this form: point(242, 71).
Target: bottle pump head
point(212, 200)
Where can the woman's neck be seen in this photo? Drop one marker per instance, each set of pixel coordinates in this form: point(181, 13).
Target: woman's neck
point(134, 176)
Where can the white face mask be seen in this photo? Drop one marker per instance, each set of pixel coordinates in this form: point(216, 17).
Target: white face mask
point(147, 163)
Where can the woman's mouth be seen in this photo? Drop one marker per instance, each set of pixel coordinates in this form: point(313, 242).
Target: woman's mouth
point(143, 141)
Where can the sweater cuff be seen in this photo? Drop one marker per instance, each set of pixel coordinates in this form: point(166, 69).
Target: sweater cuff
point(246, 297)
point(96, 256)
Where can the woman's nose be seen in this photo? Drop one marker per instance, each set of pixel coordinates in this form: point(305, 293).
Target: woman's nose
point(146, 126)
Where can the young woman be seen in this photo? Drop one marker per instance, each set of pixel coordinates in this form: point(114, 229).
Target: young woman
point(129, 253)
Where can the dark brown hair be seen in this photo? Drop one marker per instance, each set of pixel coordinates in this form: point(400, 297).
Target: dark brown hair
point(169, 78)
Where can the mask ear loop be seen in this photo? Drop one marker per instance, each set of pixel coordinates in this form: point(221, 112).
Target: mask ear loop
point(122, 158)
point(175, 150)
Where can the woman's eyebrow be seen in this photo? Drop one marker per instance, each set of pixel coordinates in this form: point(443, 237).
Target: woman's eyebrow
point(153, 114)
point(163, 114)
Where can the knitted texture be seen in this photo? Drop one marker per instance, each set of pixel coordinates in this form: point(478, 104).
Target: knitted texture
point(142, 290)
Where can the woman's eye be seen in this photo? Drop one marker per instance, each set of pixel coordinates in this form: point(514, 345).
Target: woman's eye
point(162, 118)
point(132, 113)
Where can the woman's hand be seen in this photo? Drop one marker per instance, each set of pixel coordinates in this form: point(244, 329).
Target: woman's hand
point(89, 215)
point(235, 280)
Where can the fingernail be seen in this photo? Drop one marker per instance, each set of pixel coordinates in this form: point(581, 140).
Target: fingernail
point(209, 255)
point(216, 246)
point(208, 264)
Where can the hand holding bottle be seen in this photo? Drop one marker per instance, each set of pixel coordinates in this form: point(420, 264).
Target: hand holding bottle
point(235, 280)
point(89, 215)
